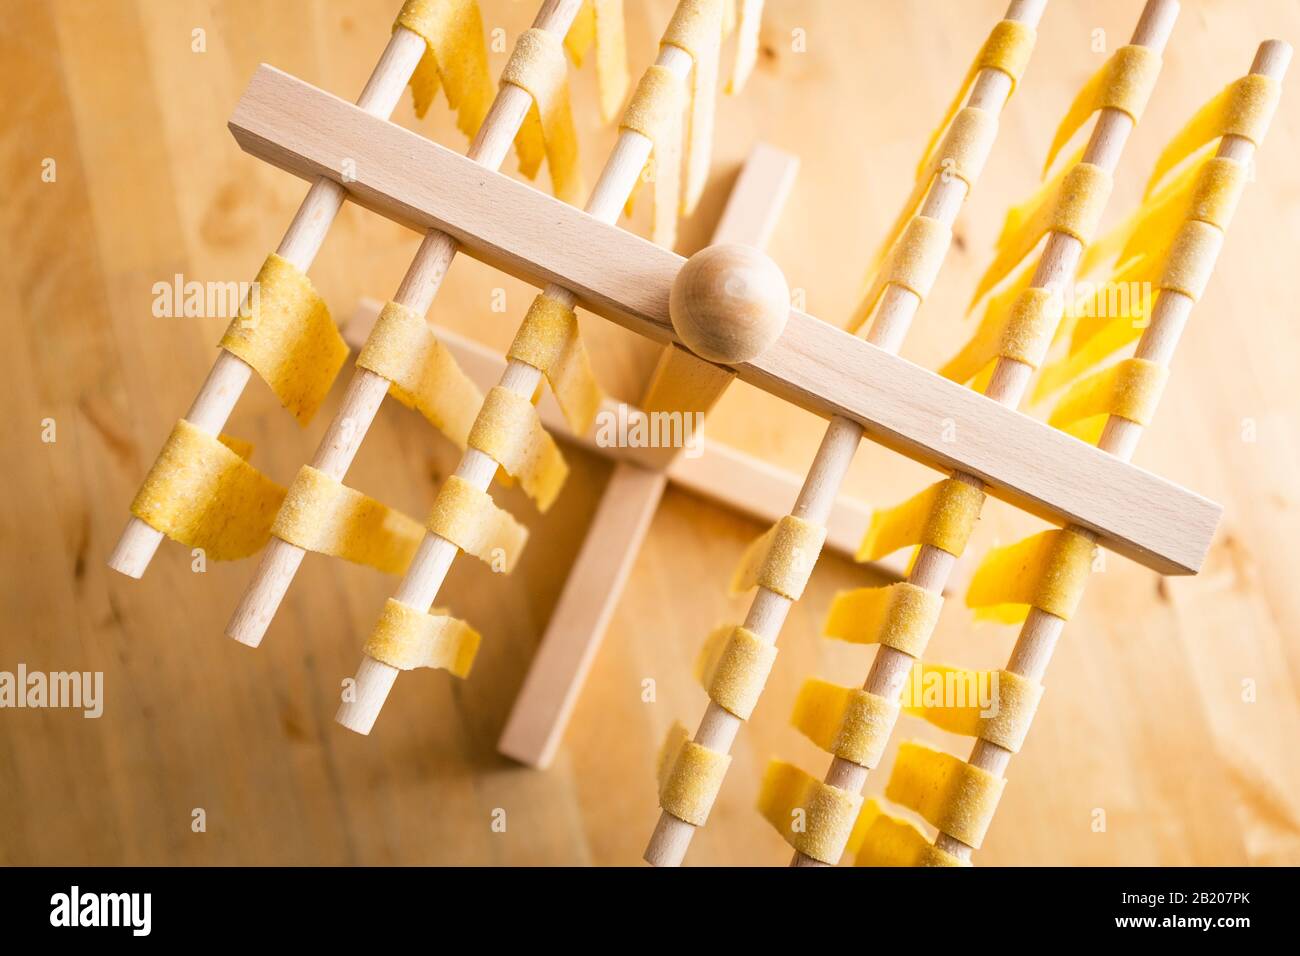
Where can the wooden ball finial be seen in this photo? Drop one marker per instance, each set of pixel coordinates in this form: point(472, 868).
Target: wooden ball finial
point(729, 303)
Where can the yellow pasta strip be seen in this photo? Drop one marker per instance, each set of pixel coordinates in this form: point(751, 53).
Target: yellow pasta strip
point(1124, 82)
point(1207, 191)
point(696, 27)
point(1047, 571)
point(455, 57)
point(900, 615)
point(286, 334)
point(1007, 49)
point(406, 638)
point(1130, 389)
point(750, 19)
point(845, 721)
point(537, 66)
point(1106, 323)
point(813, 817)
point(323, 515)
point(655, 111)
point(963, 152)
point(601, 22)
point(997, 706)
point(882, 840)
point(1169, 242)
point(1023, 333)
point(202, 493)
point(781, 559)
point(469, 519)
point(549, 340)
point(956, 797)
point(1245, 108)
point(913, 263)
point(733, 665)
point(689, 776)
point(582, 33)
point(509, 431)
point(422, 372)
point(943, 516)
point(1191, 259)
point(1073, 207)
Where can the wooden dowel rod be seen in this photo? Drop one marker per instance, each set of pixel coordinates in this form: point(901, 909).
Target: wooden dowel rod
point(302, 240)
point(768, 610)
point(435, 555)
point(1038, 635)
point(1055, 270)
point(366, 390)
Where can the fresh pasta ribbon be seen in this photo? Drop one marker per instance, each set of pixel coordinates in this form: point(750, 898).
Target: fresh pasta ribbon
point(913, 263)
point(732, 666)
point(655, 111)
point(1007, 49)
point(900, 615)
point(1071, 204)
point(997, 706)
point(600, 23)
point(813, 817)
point(942, 516)
point(473, 522)
point(202, 493)
point(954, 796)
point(1244, 108)
point(455, 58)
point(1124, 83)
point(879, 839)
point(746, 21)
point(406, 638)
point(1130, 389)
point(1047, 570)
point(963, 152)
point(1207, 190)
point(538, 67)
point(848, 722)
point(1022, 332)
point(323, 515)
point(284, 331)
point(696, 28)
point(549, 340)
point(421, 371)
point(1170, 242)
point(1191, 259)
point(690, 776)
point(509, 431)
point(781, 559)
point(959, 147)
point(1104, 324)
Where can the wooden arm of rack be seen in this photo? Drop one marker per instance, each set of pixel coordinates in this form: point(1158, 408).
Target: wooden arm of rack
point(626, 279)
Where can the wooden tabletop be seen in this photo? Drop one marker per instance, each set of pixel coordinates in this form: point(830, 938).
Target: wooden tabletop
point(1168, 732)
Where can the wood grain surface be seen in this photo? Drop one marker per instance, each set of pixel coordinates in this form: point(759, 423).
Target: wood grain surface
point(1172, 704)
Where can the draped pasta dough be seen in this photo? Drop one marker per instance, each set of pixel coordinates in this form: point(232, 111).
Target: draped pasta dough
point(455, 58)
point(286, 334)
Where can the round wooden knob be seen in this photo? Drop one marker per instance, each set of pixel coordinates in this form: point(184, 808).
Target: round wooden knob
point(729, 303)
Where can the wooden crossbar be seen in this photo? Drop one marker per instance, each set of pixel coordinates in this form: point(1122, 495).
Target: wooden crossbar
point(626, 279)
